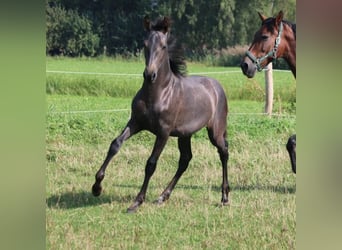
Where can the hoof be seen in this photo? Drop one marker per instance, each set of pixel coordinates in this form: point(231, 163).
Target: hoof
point(133, 208)
point(96, 190)
point(159, 201)
point(162, 198)
point(225, 202)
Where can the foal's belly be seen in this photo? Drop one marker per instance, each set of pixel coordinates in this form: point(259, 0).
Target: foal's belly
point(182, 115)
point(186, 129)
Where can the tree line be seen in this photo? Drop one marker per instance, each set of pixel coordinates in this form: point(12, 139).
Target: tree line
point(97, 27)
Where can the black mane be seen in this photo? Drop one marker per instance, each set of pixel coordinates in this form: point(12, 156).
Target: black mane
point(175, 49)
point(176, 56)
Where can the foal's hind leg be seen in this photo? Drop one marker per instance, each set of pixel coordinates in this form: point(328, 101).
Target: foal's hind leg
point(220, 142)
point(184, 145)
point(129, 130)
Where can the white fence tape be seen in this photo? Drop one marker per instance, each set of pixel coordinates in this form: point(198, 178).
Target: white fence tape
point(140, 75)
point(122, 110)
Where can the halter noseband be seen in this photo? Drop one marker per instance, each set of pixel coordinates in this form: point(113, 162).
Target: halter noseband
point(272, 53)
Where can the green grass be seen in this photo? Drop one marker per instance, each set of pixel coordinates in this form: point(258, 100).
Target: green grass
point(262, 211)
point(262, 214)
point(237, 86)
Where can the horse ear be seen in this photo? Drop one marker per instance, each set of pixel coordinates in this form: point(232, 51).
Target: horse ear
point(166, 24)
point(262, 17)
point(279, 17)
point(147, 23)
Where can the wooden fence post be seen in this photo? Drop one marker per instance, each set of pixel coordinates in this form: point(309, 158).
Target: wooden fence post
point(269, 89)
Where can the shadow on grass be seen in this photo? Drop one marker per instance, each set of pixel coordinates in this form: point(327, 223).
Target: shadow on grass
point(276, 189)
point(237, 188)
point(70, 200)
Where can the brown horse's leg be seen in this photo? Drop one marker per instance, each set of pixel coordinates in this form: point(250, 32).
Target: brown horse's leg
point(220, 142)
point(291, 149)
point(129, 130)
point(149, 170)
point(184, 145)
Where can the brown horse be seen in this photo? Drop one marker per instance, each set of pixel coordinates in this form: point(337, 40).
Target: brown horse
point(275, 39)
point(172, 104)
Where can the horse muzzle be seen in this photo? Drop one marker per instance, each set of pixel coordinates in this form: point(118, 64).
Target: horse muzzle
point(248, 68)
point(150, 75)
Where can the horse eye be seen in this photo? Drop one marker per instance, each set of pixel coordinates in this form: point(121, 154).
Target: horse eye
point(164, 47)
point(264, 37)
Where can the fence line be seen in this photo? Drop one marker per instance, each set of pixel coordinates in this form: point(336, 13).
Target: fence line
point(140, 75)
point(121, 110)
point(92, 73)
point(88, 111)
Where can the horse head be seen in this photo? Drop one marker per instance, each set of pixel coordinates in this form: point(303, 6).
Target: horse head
point(266, 45)
point(155, 46)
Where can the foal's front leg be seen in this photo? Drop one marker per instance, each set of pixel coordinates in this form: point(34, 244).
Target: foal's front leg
point(149, 170)
point(130, 129)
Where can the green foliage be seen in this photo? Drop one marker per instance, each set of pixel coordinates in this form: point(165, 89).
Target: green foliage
point(247, 20)
point(227, 57)
point(115, 27)
point(201, 25)
point(69, 33)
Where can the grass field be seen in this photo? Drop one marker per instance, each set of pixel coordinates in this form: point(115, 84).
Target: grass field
point(237, 86)
point(82, 119)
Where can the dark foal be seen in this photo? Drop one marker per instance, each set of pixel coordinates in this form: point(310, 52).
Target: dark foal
point(172, 104)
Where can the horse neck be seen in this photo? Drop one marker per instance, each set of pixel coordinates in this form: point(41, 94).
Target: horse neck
point(164, 80)
point(292, 65)
point(165, 74)
point(290, 58)
point(289, 53)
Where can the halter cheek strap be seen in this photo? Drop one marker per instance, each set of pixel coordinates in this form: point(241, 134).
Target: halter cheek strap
point(273, 53)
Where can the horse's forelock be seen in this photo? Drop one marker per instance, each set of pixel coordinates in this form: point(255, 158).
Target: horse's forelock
point(270, 22)
point(162, 24)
